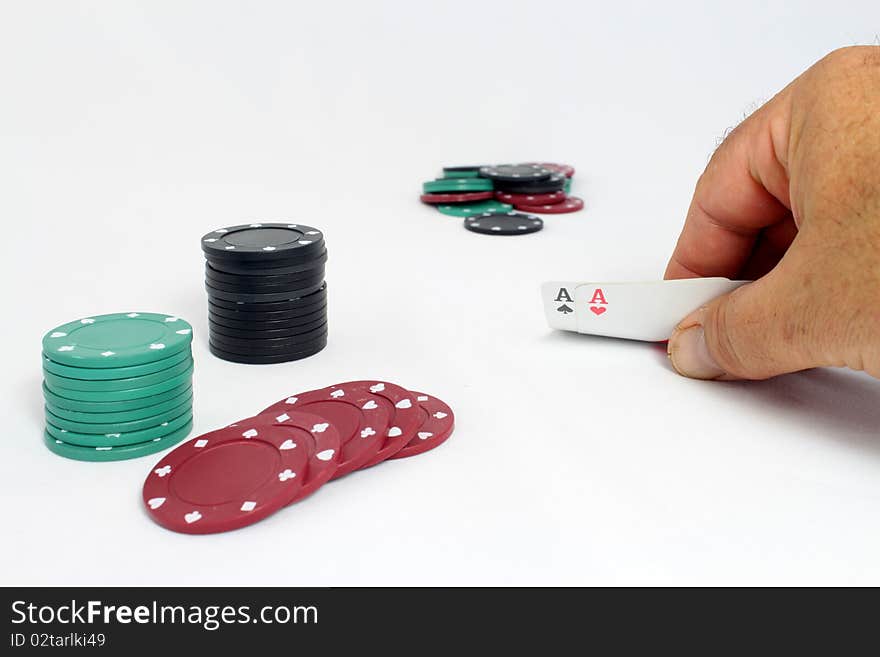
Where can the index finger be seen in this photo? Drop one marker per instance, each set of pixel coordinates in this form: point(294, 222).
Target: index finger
point(743, 190)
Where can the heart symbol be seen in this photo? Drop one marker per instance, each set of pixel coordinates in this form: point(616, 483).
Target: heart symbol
point(366, 433)
point(284, 417)
point(439, 415)
point(250, 433)
point(597, 310)
point(379, 387)
point(288, 444)
point(337, 393)
point(325, 455)
point(248, 506)
point(156, 502)
point(192, 517)
point(287, 474)
point(394, 432)
point(58, 334)
point(370, 405)
point(164, 470)
point(424, 435)
point(320, 428)
point(404, 403)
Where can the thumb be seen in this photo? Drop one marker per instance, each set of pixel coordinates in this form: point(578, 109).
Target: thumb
point(753, 332)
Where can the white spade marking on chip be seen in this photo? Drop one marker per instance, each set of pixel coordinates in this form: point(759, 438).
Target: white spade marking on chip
point(439, 415)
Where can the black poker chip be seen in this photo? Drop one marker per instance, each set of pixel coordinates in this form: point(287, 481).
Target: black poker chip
point(258, 286)
point(263, 242)
point(249, 314)
point(267, 346)
point(553, 183)
point(504, 223)
point(268, 359)
point(263, 279)
point(271, 297)
point(253, 321)
point(515, 172)
point(261, 330)
point(268, 268)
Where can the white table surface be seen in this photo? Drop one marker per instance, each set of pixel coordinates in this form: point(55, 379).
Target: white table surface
point(126, 132)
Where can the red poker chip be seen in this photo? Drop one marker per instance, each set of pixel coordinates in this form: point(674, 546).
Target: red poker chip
point(322, 443)
point(463, 197)
point(571, 204)
point(361, 418)
point(566, 169)
point(226, 479)
point(437, 422)
point(405, 416)
point(531, 199)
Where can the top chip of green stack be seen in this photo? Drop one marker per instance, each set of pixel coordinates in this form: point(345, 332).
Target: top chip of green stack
point(117, 340)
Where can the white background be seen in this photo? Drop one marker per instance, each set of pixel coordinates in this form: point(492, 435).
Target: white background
point(127, 131)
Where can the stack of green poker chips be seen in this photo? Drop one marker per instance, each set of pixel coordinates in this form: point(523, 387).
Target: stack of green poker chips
point(117, 386)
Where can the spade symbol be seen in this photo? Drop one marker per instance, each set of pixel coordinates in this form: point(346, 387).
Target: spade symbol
point(564, 309)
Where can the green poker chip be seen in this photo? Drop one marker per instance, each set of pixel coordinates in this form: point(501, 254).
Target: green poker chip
point(123, 395)
point(462, 173)
point(113, 373)
point(457, 185)
point(566, 186)
point(66, 383)
point(93, 412)
point(116, 453)
point(117, 340)
point(95, 427)
point(121, 438)
point(471, 209)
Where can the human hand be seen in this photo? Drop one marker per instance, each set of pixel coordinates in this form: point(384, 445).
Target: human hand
point(792, 200)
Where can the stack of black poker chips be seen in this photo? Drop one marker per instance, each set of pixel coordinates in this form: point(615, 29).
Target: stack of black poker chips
point(267, 298)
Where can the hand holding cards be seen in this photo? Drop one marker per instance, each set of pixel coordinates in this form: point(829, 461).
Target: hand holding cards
point(635, 311)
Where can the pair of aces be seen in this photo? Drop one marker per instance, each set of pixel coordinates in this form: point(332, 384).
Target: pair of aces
point(646, 311)
point(242, 473)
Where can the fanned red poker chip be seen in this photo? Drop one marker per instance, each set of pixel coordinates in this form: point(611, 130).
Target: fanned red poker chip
point(437, 424)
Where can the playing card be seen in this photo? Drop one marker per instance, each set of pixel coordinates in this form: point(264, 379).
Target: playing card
point(558, 298)
point(636, 311)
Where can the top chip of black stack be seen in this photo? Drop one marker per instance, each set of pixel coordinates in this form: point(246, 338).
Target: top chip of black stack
point(553, 183)
point(265, 242)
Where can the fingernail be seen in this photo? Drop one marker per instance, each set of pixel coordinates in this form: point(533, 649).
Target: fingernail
point(689, 354)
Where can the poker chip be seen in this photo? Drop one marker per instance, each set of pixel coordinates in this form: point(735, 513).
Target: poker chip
point(229, 478)
point(267, 297)
point(554, 183)
point(109, 376)
point(565, 169)
point(515, 172)
point(117, 340)
point(457, 185)
point(116, 452)
point(470, 209)
point(361, 417)
point(122, 438)
point(566, 186)
point(510, 223)
point(530, 199)
point(436, 423)
point(263, 242)
point(570, 204)
point(403, 410)
point(463, 197)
